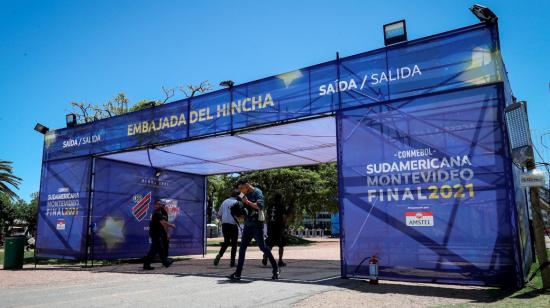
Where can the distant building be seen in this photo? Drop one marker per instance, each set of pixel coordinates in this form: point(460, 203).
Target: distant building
point(322, 221)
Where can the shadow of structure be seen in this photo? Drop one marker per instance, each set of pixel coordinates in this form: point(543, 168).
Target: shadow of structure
point(319, 272)
point(300, 271)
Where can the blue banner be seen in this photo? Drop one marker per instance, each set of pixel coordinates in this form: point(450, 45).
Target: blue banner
point(123, 200)
point(427, 188)
point(63, 209)
point(464, 57)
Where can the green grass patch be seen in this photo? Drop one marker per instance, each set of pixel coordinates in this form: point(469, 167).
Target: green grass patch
point(531, 295)
point(214, 241)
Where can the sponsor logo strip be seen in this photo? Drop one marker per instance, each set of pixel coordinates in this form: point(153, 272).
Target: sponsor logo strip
point(419, 219)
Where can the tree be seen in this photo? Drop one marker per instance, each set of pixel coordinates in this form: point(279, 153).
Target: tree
point(17, 209)
point(214, 185)
point(144, 104)
point(219, 188)
point(305, 190)
point(87, 112)
point(29, 211)
point(8, 212)
point(7, 179)
point(118, 105)
point(191, 90)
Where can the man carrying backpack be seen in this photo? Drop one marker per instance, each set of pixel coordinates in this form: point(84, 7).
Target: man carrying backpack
point(253, 200)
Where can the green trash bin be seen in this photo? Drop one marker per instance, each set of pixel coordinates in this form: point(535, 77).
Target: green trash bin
point(14, 252)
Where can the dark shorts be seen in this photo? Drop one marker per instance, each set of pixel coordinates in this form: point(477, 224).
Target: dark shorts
point(276, 235)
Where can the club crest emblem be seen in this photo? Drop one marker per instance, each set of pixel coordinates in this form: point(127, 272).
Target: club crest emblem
point(140, 209)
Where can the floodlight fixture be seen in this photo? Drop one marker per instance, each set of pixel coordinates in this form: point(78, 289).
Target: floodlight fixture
point(227, 84)
point(484, 14)
point(395, 32)
point(41, 128)
point(70, 119)
point(157, 173)
point(518, 129)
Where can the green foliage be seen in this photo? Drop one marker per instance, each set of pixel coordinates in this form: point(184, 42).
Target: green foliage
point(18, 209)
point(8, 212)
point(305, 190)
point(29, 211)
point(143, 104)
point(7, 179)
point(220, 187)
point(89, 112)
point(118, 105)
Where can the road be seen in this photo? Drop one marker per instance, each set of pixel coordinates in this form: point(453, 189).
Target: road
point(311, 279)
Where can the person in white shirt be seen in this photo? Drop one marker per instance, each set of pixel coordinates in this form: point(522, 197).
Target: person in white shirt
point(229, 228)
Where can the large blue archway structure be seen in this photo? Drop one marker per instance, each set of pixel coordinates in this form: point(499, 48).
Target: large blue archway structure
point(425, 176)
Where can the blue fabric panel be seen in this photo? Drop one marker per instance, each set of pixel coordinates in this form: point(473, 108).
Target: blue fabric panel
point(123, 200)
point(63, 209)
point(451, 60)
point(426, 186)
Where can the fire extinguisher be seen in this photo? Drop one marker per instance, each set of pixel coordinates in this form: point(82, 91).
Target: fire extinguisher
point(373, 270)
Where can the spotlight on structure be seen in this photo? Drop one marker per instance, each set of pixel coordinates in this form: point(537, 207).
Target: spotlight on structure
point(483, 13)
point(157, 172)
point(41, 128)
point(70, 119)
point(395, 32)
point(227, 84)
point(518, 129)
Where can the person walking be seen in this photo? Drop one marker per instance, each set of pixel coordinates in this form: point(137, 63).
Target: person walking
point(166, 235)
point(157, 233)
point(229, 227)
point(253, 200)
point(277, 234)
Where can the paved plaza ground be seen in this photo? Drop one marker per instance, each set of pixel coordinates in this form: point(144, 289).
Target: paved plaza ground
point(311, 279)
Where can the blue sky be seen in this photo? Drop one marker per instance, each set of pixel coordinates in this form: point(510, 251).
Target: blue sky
point(54, 52)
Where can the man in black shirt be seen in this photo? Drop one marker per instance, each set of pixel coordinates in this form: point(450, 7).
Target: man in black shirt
point(166, 237)
point(157, 233)
point(276, 227)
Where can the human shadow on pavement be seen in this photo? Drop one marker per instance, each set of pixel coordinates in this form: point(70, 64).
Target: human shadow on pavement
point(319, 272)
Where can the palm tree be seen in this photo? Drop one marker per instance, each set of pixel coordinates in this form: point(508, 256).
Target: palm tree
point(7, 177)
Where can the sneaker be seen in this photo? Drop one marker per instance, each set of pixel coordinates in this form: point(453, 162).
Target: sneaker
point(276, 275)
point(148, 268)
point(234, 276)
point(167, 264)
point(281, 264)
point(217, 260)
point(264, 260)
point(232, 264)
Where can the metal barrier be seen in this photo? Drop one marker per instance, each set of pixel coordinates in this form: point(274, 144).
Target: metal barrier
point(307, 233)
